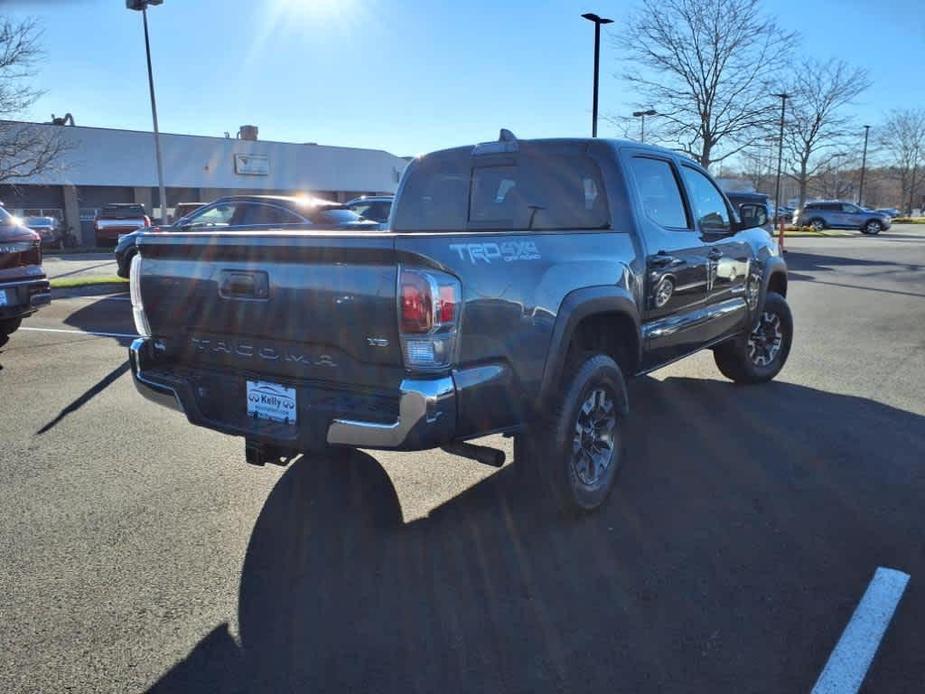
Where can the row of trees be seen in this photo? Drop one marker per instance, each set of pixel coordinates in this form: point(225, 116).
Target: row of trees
point(713, 70)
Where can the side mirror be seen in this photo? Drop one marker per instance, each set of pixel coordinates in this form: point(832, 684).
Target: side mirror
point(753, 215)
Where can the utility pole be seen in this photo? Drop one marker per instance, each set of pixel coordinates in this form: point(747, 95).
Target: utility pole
point(590, 16)
point(780, 161)
point(142, 5)
point(863, 167)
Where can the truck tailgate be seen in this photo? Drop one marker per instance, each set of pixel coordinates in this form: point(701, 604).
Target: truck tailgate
point(293, 306)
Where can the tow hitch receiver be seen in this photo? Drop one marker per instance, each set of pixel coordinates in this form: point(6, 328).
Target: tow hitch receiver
point(480, 454)
point(257, 453)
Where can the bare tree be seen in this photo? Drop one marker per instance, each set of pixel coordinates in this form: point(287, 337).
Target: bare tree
point(902, 138)
point(25, 150)
point(708, 67)
point(816, 124)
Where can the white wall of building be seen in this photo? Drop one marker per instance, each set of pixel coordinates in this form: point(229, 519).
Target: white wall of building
point(105, 157)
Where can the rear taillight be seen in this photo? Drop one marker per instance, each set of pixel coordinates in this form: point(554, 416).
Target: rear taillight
point(429, 307)
point(147, 221)
point(138, 308)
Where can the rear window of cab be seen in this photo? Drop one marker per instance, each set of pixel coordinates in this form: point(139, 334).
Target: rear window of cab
point(456, 192)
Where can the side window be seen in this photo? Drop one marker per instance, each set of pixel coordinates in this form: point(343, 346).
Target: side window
point(708, 203)
point(255, 214)
point(218, 215)
point(659, 192)
point(850, 209)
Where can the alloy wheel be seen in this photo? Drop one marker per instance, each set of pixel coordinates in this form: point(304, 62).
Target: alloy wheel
point(765, 340)
point(594, 441)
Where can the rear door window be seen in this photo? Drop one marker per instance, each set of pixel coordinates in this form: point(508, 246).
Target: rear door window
point(258, 214)
point(659, 192)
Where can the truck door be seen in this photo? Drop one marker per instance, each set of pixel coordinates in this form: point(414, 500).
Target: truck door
point(728, 254)
point(676, 259)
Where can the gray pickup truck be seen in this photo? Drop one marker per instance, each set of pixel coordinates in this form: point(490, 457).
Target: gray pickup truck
point(521, 283)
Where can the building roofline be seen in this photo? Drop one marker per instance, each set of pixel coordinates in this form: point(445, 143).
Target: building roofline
point(204, 137)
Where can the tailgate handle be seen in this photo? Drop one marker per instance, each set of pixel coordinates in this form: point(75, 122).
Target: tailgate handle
point(241, 284)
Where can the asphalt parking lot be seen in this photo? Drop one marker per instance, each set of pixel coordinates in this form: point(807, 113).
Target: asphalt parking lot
point(141, 552)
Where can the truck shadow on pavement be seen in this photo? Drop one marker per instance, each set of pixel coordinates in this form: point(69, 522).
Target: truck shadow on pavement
point(742, 532)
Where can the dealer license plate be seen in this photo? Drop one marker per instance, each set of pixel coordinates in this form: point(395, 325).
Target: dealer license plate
point(271, 401)
point(4, 298)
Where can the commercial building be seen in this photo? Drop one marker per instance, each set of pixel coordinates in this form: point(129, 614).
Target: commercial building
point(103, 165)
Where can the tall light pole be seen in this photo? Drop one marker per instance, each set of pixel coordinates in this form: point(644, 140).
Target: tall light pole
point(863, 167)
point(780, 161)
point(590, 16)
point(142, 6)
point(642, 124)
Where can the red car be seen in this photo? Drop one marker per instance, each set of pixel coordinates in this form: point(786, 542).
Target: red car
point(23, 285)
point(116, 219)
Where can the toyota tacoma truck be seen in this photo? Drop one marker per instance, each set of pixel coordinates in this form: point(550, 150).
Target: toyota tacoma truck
point(23, 285)
point(521, 284)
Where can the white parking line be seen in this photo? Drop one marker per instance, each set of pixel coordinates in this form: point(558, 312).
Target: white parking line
point(847, 666)
point(89, 333)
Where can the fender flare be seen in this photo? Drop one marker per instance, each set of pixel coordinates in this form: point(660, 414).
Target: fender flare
point(774, 265)
point(576, 306)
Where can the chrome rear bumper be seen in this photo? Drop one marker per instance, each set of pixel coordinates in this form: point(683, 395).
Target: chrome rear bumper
point(426, 410)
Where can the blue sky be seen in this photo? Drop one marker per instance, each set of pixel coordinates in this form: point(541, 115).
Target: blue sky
point(400, 75)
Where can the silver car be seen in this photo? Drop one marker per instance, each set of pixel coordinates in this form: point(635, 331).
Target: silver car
point(834, 214)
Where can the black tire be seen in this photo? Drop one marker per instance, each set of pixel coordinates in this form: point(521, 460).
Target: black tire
point(817, 224)
point(125, 267)
point(7, 328)
point(742, 358)
point(544, 455)
point(872, 227)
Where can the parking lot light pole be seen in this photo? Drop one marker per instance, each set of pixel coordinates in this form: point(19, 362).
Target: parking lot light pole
point(590, 16)
point(642, 124)
point(142, 6)
point(780, 160)
point(863, 167)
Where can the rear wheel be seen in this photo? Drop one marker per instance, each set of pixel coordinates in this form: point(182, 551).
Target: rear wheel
point(574, 454)
point(760, 355)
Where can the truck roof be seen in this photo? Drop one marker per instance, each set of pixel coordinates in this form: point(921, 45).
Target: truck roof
point(554, 142)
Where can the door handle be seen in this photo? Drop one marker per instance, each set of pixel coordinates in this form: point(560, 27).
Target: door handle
point(662, 259)
point(715, 254)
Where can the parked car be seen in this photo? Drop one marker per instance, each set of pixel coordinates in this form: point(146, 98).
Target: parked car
point(116, 219)
point(754, 208)
point(834, 214)
point(236, 212)
point(525, 281)
point(48, 229)
point(373, 207)
point(23, 284)
point(784, 214)
point(890, 212)
point(184, 208)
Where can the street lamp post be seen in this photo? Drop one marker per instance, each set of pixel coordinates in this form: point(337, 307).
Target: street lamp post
point(590, 16)
point(863, 167)
point(642, 124)
point(780, 160)
point(142, 6)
